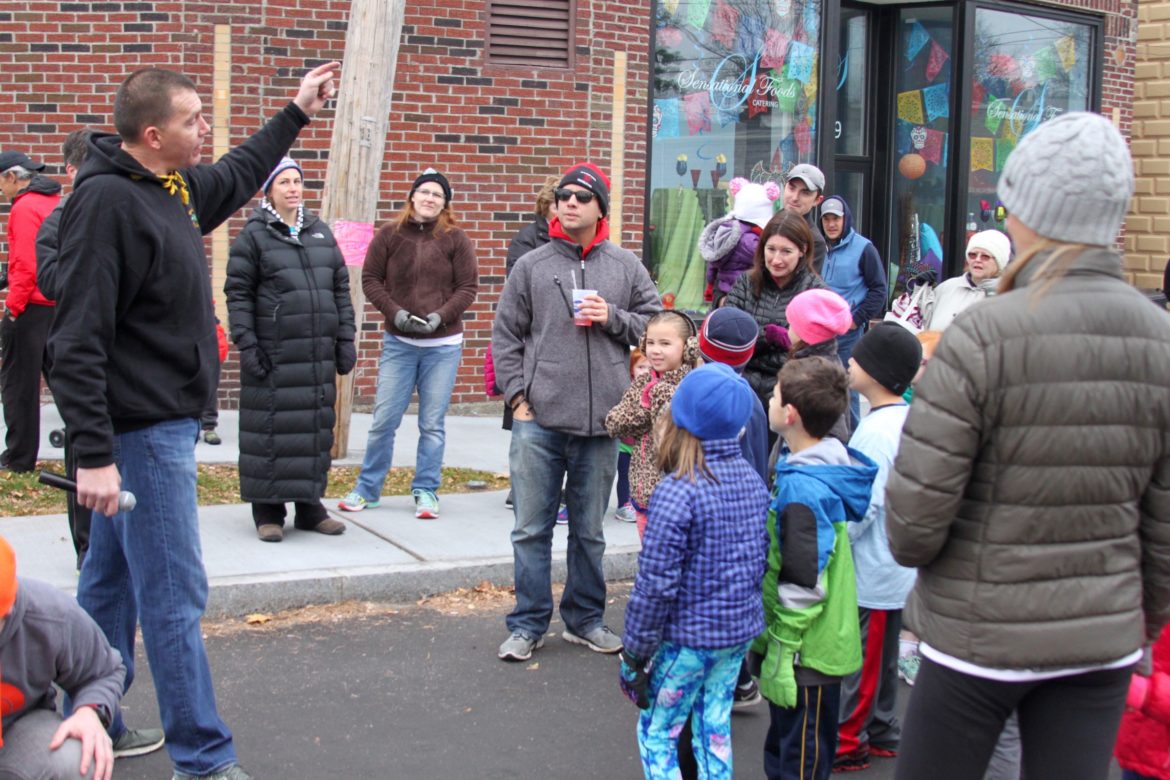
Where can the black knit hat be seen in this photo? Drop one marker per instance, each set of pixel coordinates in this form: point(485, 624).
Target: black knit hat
point(430, 174)
point(590, 177)
point(890, 354)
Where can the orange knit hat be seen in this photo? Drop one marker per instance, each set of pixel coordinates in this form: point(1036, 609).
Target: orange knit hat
point(7, 577)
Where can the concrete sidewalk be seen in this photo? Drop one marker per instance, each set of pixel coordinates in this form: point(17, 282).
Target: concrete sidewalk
point(386, 554)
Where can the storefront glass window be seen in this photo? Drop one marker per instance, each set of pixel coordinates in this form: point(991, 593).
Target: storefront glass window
point(735, 94)
point(1027, 70)
point(922, 138)
point(850, 131)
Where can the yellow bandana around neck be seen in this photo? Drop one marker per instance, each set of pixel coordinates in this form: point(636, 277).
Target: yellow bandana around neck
point(173, 182)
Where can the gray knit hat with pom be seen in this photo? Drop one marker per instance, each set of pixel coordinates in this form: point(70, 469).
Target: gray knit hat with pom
point(1070, 179)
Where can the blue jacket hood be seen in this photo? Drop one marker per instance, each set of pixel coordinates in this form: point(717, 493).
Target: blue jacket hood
point(841, 470)
point(848, 219)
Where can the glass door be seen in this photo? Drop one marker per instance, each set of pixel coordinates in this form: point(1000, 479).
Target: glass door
point(922, 142)
point(852, 131)
point(1025, 70)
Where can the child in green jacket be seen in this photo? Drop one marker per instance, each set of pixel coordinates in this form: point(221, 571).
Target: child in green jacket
point(810, 595)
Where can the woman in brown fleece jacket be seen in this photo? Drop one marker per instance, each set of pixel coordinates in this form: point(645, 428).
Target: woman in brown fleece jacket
point(420, 272)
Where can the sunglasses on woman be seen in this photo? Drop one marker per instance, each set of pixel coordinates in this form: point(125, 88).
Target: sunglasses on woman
point(583, 196)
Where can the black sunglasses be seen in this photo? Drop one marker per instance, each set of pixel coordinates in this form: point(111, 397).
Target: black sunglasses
point(583, 196)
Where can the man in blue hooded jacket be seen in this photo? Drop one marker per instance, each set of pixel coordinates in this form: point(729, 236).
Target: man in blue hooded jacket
point(853, 269)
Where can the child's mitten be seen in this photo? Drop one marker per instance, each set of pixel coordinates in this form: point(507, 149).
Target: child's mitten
point(777, 336)
point(635, 680)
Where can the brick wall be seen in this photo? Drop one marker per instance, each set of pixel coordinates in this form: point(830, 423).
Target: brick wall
point(1147, 242)
point(495, 131)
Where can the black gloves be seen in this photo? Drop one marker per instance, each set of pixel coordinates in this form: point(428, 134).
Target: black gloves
point(344, 356)
point(255, 362)
point(635, 680)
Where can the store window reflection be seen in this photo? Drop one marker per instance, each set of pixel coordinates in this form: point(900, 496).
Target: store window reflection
point(735, 94)
point(922, 137)
point(1027, 70)
point(851, 186)
point(851, 84)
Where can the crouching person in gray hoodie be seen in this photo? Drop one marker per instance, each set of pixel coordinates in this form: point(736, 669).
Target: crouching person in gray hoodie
point(569, 313)
point(47, 638)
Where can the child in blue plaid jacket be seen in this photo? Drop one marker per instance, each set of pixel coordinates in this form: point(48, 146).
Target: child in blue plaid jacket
point(696, 603)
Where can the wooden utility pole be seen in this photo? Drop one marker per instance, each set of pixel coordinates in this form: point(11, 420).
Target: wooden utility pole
point(358, 147)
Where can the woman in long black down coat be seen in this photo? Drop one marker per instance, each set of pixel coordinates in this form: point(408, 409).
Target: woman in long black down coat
point(292, 320)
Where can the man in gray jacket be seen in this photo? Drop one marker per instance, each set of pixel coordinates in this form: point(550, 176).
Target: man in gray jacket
point(46, 638)
point(569, 313)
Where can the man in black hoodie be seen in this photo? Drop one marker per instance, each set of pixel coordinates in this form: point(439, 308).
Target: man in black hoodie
point(134, 351)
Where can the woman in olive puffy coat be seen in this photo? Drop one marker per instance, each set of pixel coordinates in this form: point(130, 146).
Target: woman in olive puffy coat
point(1032, 483)
point(292, 320)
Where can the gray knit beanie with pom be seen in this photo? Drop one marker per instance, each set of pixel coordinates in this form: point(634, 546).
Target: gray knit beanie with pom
point(1070, 179)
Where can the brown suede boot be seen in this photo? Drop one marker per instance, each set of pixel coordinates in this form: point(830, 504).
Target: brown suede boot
point(270, 532)
point(327, 526)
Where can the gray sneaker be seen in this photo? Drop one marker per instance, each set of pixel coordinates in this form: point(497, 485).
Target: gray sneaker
point(233, 772)
point(599, 640)
point(519, 647)
point(138, 742)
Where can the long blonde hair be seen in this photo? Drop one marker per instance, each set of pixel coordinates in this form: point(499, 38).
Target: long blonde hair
point(1053, 268)
point(680, 452)
point(547, 196)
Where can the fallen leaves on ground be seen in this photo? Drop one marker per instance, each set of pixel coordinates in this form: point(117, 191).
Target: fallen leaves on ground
point(464, 601)
point(316, 614)
point(484, 598)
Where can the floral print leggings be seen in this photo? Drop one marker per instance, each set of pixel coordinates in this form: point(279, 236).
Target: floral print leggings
point(686, 681)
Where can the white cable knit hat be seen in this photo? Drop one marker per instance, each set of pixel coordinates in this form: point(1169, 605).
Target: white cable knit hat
point(994, 243)
point(1070, 179)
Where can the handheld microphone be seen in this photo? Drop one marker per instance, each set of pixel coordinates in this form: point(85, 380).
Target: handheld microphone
point(126, 499)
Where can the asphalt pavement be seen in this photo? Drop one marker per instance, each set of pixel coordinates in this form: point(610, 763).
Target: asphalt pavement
point(415, 694)
point(421, 695)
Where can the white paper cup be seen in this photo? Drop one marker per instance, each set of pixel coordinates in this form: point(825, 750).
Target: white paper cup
point(578, 297)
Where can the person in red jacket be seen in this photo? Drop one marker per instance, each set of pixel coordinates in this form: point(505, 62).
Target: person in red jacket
point(209, 420)
point(27, 312)
point(1143, 741)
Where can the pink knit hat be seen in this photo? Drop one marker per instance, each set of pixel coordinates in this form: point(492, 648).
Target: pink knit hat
point(818, 315)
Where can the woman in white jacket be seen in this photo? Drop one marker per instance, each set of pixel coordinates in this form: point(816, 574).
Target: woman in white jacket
point(987, 256)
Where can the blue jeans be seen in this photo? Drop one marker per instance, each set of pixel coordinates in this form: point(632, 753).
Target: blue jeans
point(689, 684)
point(403, 368)
point(147, 565)
point(539, 459)
point(845, 345)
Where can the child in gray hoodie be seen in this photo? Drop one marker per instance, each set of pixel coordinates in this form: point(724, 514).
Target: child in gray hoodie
point(47, 638)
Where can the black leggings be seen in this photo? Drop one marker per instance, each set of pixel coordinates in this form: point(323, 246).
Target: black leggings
point(1067, 725)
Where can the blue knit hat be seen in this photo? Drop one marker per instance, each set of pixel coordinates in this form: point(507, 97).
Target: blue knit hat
point(712, 402)
point(284, 164)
